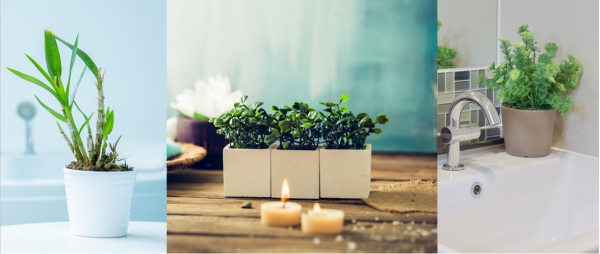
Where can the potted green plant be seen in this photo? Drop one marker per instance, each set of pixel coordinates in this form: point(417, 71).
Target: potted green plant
point(345, 161)
point(99, 185)
point(209, 99)
point(296, 157)
point(445, 55)
point(532, 88)
point(247, 157)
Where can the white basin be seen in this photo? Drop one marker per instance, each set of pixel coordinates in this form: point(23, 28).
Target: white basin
point(547, 204)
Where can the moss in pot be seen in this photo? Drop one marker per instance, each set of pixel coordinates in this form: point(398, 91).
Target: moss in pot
point(532, 87)
point(99, 184)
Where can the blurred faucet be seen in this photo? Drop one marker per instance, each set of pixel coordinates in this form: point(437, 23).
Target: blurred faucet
point(452, 134)
point(26, 110)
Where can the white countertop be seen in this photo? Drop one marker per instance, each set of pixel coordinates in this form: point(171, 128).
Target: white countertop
point(55, 237)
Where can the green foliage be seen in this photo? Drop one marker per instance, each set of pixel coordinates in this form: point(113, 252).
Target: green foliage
point(298, 127)
point(445, 54)
point(343, 130)
point(245, 126)
point(66, 99)
point(526, 84)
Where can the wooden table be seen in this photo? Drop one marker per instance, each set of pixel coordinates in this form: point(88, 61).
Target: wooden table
point(201, 219)
point(55, 237)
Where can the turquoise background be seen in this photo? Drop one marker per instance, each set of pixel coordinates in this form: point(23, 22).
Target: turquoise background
point(382, 53)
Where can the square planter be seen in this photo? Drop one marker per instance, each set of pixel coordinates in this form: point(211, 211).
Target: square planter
point(247, 172)
point(345, 173)
point(300, 167)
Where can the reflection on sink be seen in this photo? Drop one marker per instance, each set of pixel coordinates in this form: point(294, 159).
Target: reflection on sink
point(525, 204)
point(32, 187)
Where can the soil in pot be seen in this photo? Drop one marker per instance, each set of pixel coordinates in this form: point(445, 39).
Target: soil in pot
point(528, 133)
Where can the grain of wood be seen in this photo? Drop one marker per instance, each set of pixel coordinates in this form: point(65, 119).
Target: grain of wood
point(201, 219)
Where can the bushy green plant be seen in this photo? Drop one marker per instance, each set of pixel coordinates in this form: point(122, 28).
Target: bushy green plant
point(526, 84)
point(445, 54)
point(297, 127)
point(245, 126)
point(343, 130)
point(95, 157)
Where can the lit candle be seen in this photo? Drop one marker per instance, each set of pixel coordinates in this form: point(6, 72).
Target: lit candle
point(323, 221)
point(281, 213)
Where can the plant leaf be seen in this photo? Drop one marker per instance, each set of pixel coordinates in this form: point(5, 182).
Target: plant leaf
point(84, 57)
point(108, 125)
point(344, 98)
point(73, 55)
point(200, 117)
point(54, 113)
point(52, 55)
point(307, 125)
point(382, 119)
point(87, 120)
point(76, 87)
point(54, 85)
point(37, 82)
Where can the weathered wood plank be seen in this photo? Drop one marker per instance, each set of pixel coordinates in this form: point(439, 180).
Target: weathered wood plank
point(250, 229)
point(192, 243)
point(230, 207)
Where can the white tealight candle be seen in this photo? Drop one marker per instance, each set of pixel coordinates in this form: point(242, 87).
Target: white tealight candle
point(281, 213)
point(323, 221)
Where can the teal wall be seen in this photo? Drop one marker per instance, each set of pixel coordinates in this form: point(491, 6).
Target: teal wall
point(382, 53)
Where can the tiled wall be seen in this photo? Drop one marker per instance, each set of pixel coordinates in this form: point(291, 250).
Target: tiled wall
point(453, 82)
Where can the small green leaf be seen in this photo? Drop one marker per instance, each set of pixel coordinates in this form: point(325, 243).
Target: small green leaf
point(345, 119)
point(270, 139)
point(361, 116)
point(307, 125)
point(329, 104)
point(219, 122)
point(243, 99)
point(276, 133)
point(200, 117)
point(274, 108)
point(236, 104)
point(295, 133)
point(257, 105)
point(344, 98)
point(285, 144)
point(73, 56)
point(382, 119)
point(41, 70)
point(108, 125)
point(285, 125)
point(377, 131)
point(54, 113)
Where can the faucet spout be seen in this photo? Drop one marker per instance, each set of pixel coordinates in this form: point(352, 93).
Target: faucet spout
point(453, 134)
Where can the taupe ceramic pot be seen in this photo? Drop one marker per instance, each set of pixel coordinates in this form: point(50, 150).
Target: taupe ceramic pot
point(528, 133)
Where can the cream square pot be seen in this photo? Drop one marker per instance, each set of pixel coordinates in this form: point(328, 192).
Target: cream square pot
point(247, 172)
point(300, 167)
point(345, 173)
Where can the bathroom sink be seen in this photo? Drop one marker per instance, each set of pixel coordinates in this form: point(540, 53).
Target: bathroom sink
point(503, 203)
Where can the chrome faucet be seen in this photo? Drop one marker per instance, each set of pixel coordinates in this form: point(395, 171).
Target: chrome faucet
point(26, 110)
point(452, 134)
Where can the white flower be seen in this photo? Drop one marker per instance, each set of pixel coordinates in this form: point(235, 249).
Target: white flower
point(210, 99)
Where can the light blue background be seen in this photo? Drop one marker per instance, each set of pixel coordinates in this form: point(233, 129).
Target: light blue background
point(382, 53)
point(128, 38)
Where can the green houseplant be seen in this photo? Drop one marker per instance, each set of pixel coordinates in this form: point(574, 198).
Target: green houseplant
point(445, 55)
point(246, 159)
point(531, 86)
point(265, 148)
point(96, 181)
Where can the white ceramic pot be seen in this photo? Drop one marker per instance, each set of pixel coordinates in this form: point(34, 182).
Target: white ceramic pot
point(247, 172)
point(345, 173)
point(300, 167)
point(99, 202)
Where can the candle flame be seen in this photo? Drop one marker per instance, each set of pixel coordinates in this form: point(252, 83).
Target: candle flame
point(285, 190)
point(317, 208)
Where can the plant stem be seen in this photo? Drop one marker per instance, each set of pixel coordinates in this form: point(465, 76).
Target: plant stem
point(101, 116)
point(69, 143)
point(77, 143)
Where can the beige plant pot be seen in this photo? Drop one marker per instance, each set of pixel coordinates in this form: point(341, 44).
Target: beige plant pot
point(247, 172)
point(345, 173)
point(528, 133)
point(300, 167)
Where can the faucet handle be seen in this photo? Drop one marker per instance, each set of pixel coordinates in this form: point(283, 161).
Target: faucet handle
point(451, 135)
